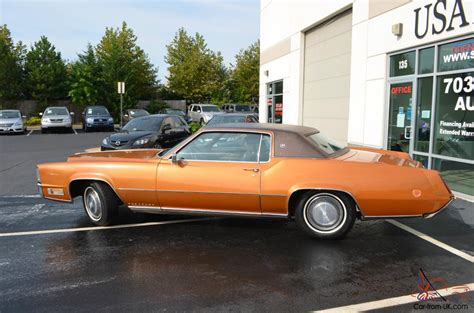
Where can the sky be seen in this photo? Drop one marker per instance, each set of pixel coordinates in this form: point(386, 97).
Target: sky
point(227, 25)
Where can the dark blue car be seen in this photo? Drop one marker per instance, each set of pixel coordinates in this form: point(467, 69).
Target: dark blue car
point(97, 117)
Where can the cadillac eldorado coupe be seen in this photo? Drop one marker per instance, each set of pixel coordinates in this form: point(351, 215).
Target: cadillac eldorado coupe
point(259, 170)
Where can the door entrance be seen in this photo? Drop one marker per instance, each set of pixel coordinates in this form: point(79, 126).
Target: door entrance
point(401, 115)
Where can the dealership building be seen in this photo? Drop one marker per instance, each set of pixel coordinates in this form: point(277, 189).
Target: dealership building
point(391, 74)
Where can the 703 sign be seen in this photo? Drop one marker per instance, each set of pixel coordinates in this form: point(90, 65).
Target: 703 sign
point(460, 85)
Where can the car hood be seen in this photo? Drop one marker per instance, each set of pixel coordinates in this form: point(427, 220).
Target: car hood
point(135, 155)
point(9, 120)
point(368, 155)
point(129, 136)
point(56, 116)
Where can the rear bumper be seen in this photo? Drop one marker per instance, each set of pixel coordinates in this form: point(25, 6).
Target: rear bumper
point(430, 215)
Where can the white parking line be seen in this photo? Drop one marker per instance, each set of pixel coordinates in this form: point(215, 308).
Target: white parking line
point(75, 132)
point(31, 131)
point(94, 228)
point(438, 243)
point(380, 304)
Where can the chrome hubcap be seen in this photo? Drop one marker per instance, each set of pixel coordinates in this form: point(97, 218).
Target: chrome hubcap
point(325, 213)
point(92, 204)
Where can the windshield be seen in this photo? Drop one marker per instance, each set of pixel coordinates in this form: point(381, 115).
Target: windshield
point(326, 144)
point(242, 108)
point(56, 111)
point(177, 112)
point(138, 113)
point(9, 114)
point(144, 124)
point(210, 108)
point(97, 111)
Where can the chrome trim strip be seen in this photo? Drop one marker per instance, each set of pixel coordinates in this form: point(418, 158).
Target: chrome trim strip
point(383, 217)
point(136, 189)
point(430, 215)
point(146, 209)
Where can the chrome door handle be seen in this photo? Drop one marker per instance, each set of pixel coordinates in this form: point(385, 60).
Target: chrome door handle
point(255, 170)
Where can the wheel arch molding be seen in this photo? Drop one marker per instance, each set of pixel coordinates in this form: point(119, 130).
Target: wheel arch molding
point(77, 186)
point(297, 193)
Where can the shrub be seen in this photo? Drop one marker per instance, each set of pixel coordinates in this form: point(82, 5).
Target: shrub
point(194, 127)
point(34, 120)
point(155, 106)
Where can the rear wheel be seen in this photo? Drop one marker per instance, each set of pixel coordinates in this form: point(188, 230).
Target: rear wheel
point(325, 215)
point(100, 203)
point(202, 122)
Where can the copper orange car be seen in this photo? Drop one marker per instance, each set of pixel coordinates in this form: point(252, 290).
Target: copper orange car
point(260, 170)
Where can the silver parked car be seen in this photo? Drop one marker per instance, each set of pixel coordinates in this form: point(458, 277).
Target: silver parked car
point(11, 121)
point(56, 118)
point(202, 113)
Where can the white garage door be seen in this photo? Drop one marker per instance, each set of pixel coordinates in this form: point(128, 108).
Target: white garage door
point(327, 69)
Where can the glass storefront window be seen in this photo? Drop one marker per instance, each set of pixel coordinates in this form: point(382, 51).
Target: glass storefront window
point(422, 159)
point(399, 128)
point(278, 87)
point(456, 55)
point(459, 176)
point(426, 61)
point(402, 64)
point(454, 120)
point(423, 114)
point(275, 102)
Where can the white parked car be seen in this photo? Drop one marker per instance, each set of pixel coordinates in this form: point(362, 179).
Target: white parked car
point(202, 113)
point(56, 118)
point(11, 121)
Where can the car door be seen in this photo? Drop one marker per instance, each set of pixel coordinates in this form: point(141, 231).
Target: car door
point(216, 172)
point(166, 134)
point(180, 128)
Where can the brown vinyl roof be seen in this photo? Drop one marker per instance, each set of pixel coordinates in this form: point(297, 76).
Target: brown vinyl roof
point(289, 140)
point(303, 130)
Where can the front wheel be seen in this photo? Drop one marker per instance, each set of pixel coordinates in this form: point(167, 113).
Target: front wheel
point(325, 215)
point(100, 203)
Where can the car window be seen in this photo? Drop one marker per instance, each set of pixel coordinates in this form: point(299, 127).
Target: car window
point(210, 108)
point(324, 143)
point(9, 114)
point(167, 121)
point(241, 108)
point(265, 148)
point(56, 111)
point(222, 146)
point(195, 108)
point(144, 124)
point(138, 113)
point(251, 119)
point(178, 122)
point(97, 111)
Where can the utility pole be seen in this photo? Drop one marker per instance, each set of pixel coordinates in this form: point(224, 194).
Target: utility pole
point(121, 91)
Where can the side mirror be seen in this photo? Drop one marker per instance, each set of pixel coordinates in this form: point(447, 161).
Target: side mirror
point(23, 116)
point(174, 159)
point(199, 111)
point(126, 115)
point(41, 114)
point(83, 113)
point(166, 128)
point(72, 113)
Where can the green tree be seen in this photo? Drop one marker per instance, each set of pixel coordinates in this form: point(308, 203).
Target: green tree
point(46, 74)
point(86, 79)
point(244, 77)
point(11, 66)
point(121, 59)
point(195, 72)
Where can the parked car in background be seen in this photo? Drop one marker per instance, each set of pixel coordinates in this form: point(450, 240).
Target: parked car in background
point(231, 108)
point(187, 118)
point(253, 108)
point(11, 121)
point(130, 114)
point(55, 118)
point(260, 170)
point(232, 118)
point(97, 117)
point(202, 113)
point(152, 131)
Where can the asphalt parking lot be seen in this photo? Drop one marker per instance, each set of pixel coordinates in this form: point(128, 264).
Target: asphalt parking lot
point(53, 260)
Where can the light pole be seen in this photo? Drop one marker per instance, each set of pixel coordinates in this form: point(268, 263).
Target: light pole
point(121, 91)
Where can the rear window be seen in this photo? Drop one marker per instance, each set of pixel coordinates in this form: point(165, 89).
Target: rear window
point(326, 144)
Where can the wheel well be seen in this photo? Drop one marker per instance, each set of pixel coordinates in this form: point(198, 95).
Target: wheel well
point(77, 187)
point(299, 194)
